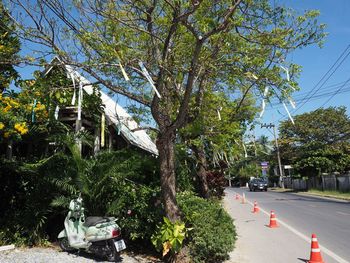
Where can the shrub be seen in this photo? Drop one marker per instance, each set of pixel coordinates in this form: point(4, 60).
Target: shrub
point(213, 235)
point(28, 217)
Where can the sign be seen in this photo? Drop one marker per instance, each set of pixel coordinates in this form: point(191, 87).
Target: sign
point(288, 167)
point(264, 164)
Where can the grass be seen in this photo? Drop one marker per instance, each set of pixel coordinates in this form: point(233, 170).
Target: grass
point(334, 194)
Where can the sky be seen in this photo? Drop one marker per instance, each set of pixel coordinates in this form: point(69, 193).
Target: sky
point(317, 61)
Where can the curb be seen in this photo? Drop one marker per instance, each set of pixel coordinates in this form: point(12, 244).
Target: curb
point(325, 196)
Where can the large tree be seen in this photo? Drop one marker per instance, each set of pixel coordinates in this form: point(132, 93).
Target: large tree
point(318, 141)
point(189, 48)
point(9, 47)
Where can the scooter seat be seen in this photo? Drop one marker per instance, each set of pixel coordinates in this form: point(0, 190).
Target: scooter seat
point(94, 220)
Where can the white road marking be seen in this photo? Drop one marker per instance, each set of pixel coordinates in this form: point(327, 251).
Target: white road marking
point(344, 214)
point(313, 205)
point(302, 236)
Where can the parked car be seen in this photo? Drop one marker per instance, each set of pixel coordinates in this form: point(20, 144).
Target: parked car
point(258, 184)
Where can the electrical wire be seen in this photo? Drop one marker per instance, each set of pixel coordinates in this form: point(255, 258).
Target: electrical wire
point(316, 88)
point(325, 94)
point(337, 92)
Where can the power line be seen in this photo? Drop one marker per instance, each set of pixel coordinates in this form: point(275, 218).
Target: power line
point(343, 56)
point(337, 92)
point(325, 94)
point(316, 88)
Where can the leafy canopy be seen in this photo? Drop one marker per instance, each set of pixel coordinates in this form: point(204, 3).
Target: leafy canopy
point(318, 142)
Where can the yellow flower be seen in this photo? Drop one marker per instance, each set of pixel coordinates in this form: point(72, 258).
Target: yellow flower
point(6, 134)
point(7, 108)
point(14, 103)
point(24, 131)
point(1, 125)
point(21, 128)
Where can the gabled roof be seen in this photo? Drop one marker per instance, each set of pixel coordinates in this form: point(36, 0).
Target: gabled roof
point(116, 114)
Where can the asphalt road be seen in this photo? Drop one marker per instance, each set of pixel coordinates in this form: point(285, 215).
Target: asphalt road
point(329, 219)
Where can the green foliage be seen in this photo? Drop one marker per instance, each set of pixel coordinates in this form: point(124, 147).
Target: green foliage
point(169, 237)
point(26, 197)
point(185, 169)
point(318, 142)
point(9, 47)
point(35, 197)
point(123, 184)
point(213, 235)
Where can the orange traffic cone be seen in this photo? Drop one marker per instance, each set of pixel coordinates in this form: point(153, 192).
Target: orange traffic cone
point(315, 254)
point(237, 197)
point(273, 220)
point(243, 198)
point(256, 208)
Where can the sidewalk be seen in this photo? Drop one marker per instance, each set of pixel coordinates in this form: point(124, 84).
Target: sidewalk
point(257, 243)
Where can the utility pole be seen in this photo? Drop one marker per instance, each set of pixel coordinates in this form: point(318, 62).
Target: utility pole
point(278, 151)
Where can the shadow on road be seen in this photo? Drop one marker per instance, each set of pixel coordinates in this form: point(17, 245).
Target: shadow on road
point(304, 260)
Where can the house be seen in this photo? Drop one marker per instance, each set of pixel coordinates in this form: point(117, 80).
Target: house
point(123, 130)
point(111, 126)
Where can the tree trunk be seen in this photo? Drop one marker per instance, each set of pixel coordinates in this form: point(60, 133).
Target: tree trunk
point(165, 145)
point(202, 170)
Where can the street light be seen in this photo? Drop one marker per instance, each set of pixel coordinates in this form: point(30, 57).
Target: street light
point(277, 149)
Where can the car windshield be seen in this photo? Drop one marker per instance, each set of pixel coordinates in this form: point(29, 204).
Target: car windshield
point(260, 181)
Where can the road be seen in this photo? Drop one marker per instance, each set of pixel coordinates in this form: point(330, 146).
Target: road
point(300, 216)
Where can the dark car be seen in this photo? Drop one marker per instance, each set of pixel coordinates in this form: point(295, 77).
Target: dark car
point(258, 184)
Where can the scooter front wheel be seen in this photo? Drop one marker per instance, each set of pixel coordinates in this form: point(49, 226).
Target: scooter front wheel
point(64, 245)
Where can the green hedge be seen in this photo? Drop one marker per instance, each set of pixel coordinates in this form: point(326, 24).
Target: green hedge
point(213, 235)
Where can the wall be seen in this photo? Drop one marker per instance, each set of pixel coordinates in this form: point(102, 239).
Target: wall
point(325, 182)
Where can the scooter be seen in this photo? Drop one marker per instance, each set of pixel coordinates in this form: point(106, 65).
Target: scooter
point(97, 235)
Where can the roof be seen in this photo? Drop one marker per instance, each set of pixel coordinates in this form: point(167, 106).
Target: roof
point(116, 115)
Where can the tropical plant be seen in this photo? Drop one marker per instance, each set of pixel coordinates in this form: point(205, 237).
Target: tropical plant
point(169, 236)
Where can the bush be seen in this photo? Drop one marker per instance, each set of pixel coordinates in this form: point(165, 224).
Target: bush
point(213, 235)
point(28, 218)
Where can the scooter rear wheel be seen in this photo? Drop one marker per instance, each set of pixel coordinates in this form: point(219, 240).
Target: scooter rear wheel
point(64, 245)
point(113, 255)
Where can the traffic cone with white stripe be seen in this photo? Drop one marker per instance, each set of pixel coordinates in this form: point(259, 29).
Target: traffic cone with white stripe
point(243, 198)
point(255, 208)
point(273, 220)
point(315, 254)
point(237, 197)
